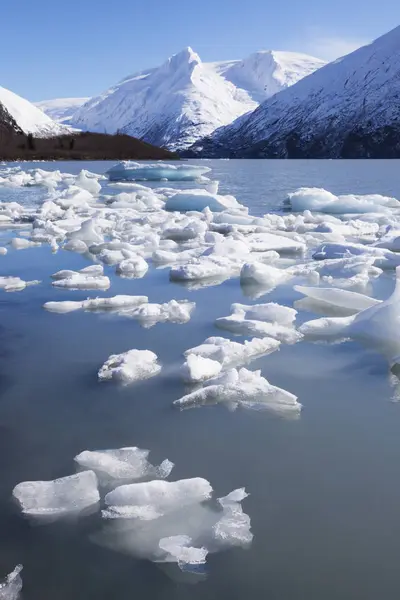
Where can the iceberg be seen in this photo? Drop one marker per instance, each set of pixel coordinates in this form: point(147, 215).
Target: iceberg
point(11, 586)
point(64, 497)
point(134, 171)
point(130, 366)
point(122, 465)
point(245, 389)
point(198, 200)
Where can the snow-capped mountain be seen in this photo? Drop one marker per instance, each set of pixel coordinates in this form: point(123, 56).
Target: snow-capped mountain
point(267, 72)
point(61, 109)
point(27, 117)
point(349, 107)
point(186, 99)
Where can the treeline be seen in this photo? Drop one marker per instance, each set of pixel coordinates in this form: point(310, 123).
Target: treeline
point(79, 146)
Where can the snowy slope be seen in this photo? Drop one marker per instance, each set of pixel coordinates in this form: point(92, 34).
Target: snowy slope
point(28, 117)
point(346, 103)
point(61, 109)
point(185, 99)
point(267, 72)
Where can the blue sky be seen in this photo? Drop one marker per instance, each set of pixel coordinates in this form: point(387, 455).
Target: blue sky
point(51, 48)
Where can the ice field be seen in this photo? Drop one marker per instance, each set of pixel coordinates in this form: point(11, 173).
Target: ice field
point(200, 379)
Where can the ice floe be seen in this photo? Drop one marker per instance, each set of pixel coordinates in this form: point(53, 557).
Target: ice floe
point(89, 278)
point(96, 304)
point(134, 171)
point(378, 326)
point(228, 353)
point(321, 200)
point(242, 388)
point(64, 497)
point(130, 366)
point(11, 586)
point(197, 368)
point(15, 284)
point(174, 522)
point(122, 465)
point(198, 200)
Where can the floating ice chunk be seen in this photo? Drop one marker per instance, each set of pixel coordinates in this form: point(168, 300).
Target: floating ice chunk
point(337, 297)
point(111, 257)
point(86, 233)
point(321, 200)
point(245, 389)
point(272, 312)
point(83, 282)
point(77, 246)
point(11, 586)
point(267, 276)
point(189, 232)
point(92, 270)
point(15, 284)
point(265, 242)
point(123, 464)
point(3, 251)
point(233, 528)
point(198, 200)
point(197, 368)
point(133, 365)
point(114, 303)
point(74, 197)
point(176, 524)
point(331, 251)
point(239, 325)
point(213, 268)
point(128, 170)
point(174, 311)
point(153, 499)
point(63, 307)
point(58, 498)
point(179, 549)
point(89, 278)
point(230, 354)
point(133, 267)
point(88, 183)
point(229, 248)
point(21, 243)
point(378, 325)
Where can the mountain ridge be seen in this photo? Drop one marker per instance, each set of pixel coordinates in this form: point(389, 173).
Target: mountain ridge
point(349, 107)
point(185, 99)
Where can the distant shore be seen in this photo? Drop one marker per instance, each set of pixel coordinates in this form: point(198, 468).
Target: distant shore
point(80, 146)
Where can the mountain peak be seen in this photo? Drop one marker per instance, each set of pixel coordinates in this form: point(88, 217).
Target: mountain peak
point(187, 56)
point(267, 72)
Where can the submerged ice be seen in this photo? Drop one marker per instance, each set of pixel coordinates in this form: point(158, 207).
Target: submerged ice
point(11, 586)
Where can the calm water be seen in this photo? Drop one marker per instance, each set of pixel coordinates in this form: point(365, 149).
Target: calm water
point(325, 490)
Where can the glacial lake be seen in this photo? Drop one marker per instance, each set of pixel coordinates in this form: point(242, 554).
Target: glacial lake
point(324, 489)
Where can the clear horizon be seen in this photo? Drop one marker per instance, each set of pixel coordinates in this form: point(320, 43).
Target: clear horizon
point(84, 50)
